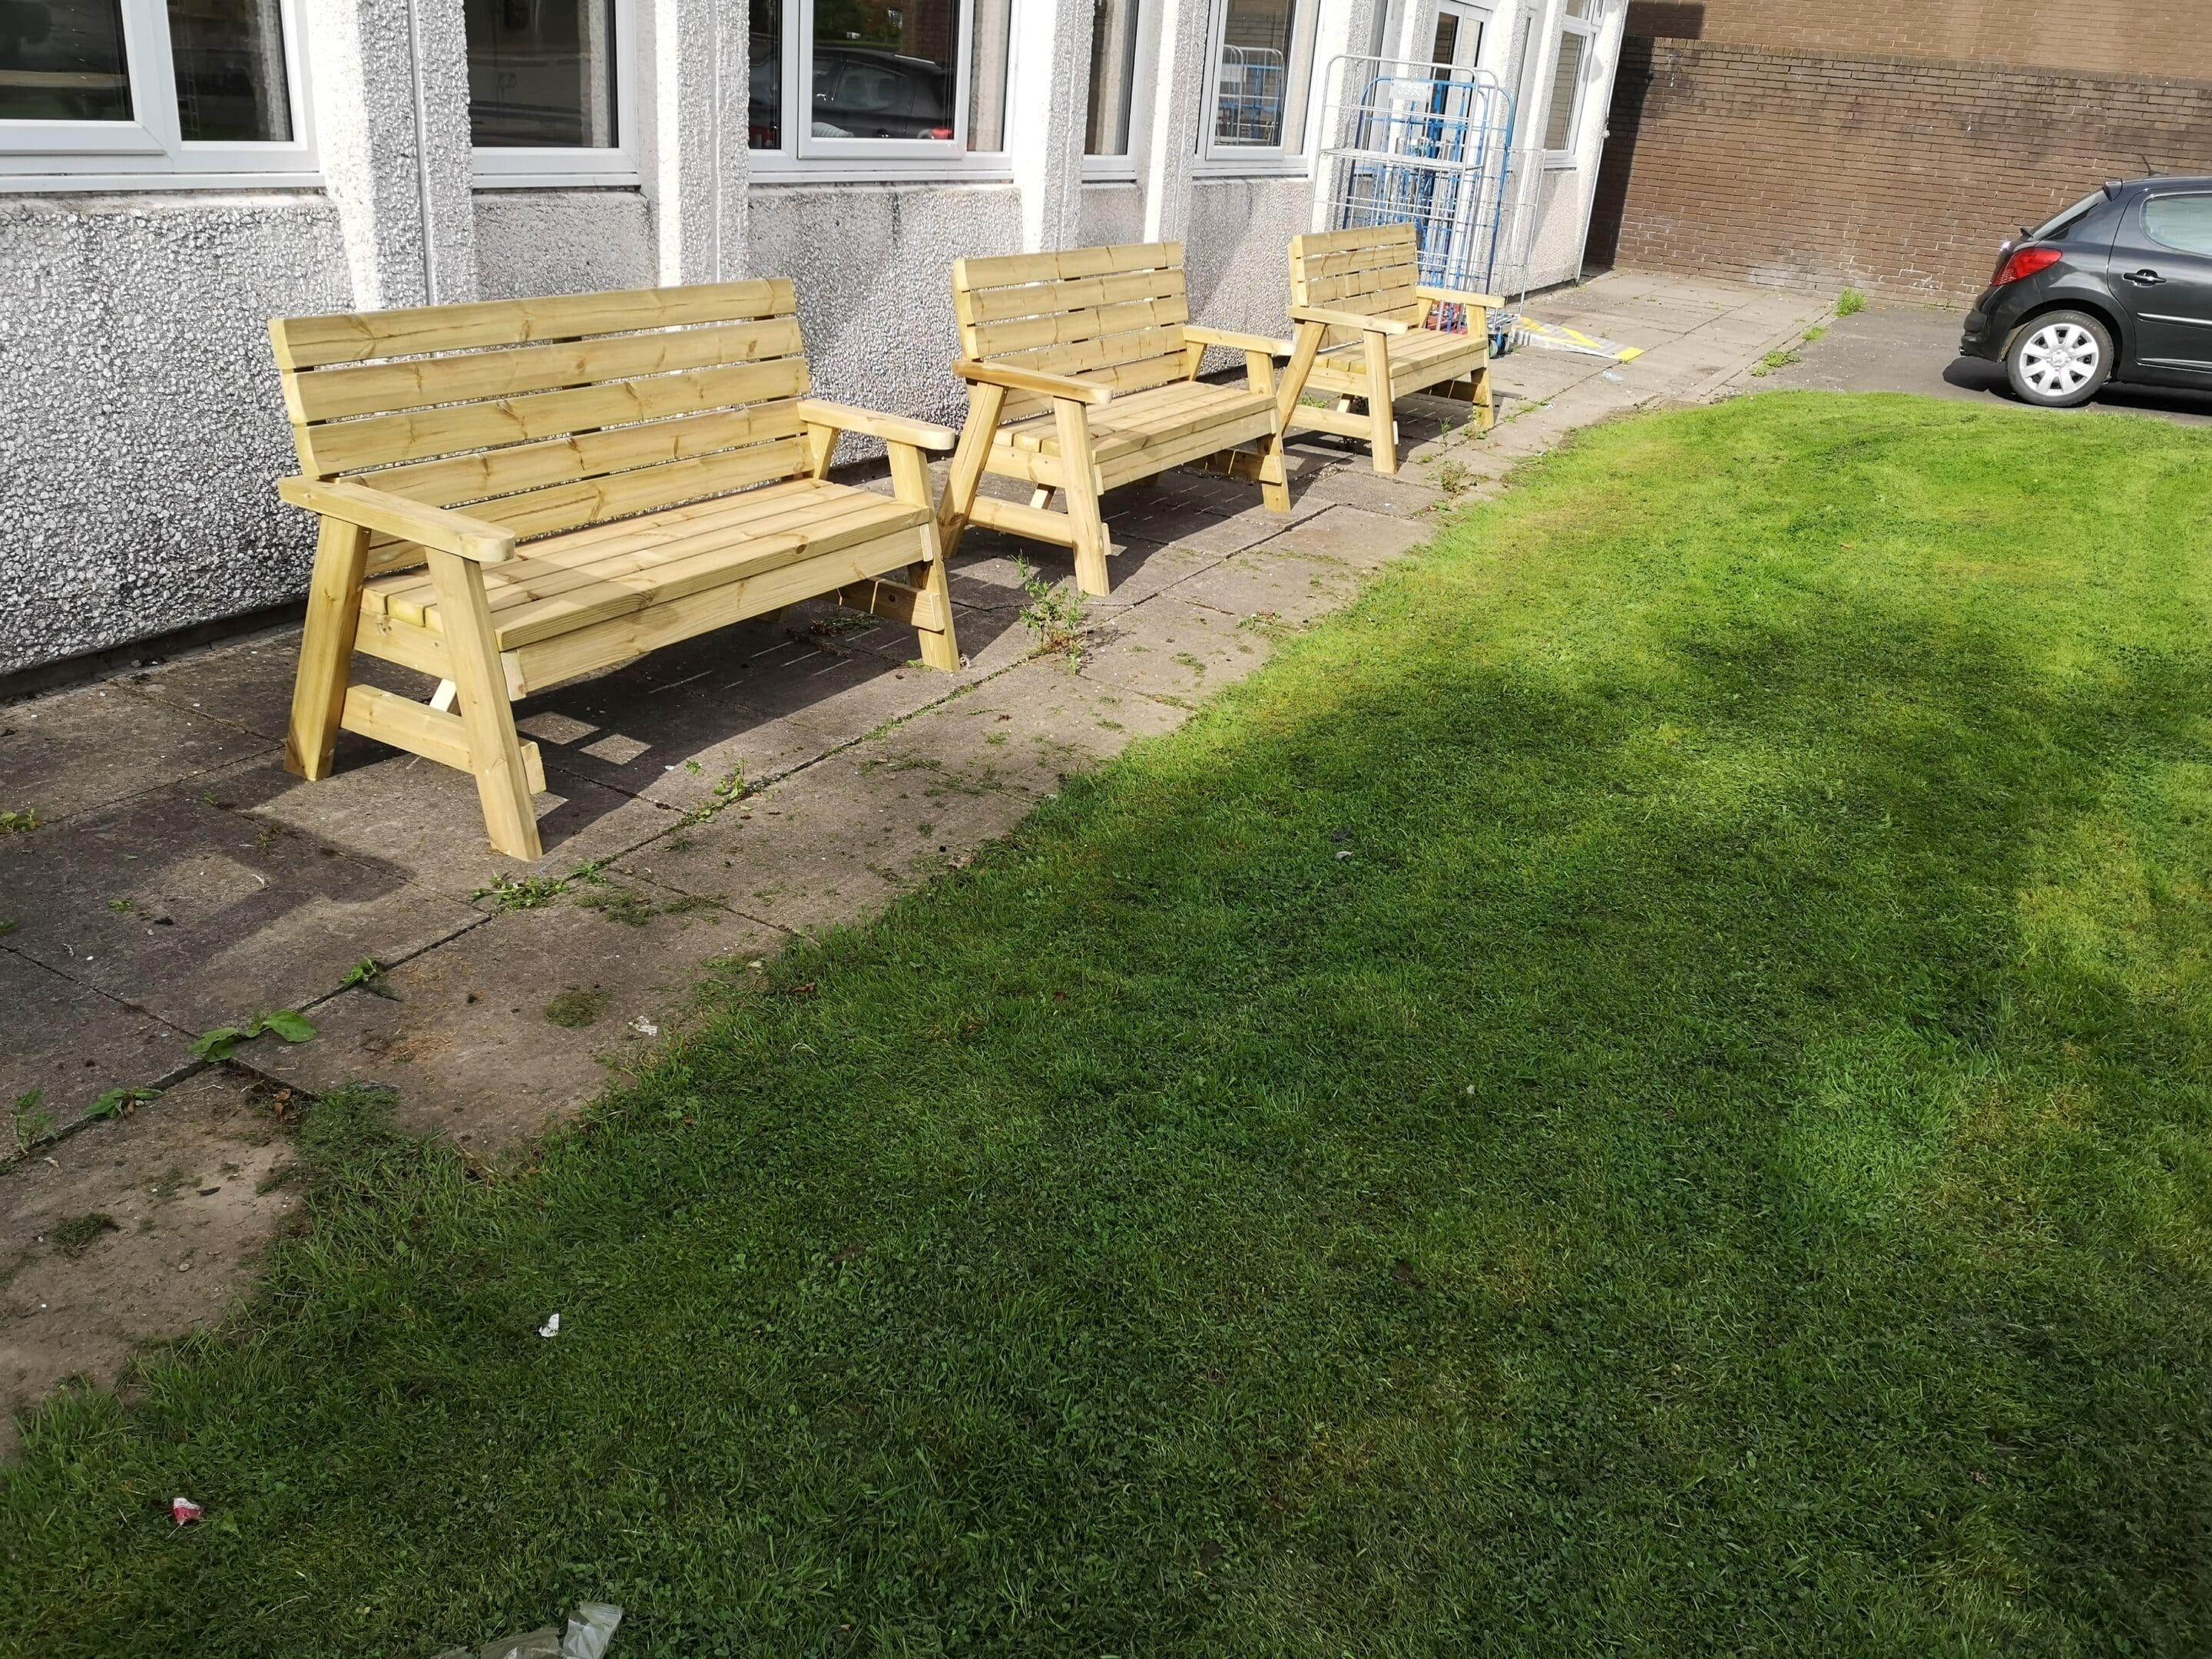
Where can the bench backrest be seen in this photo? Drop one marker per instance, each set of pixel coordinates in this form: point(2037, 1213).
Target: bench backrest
point(1371, 269)
point(1110, 315)
point(546, 415)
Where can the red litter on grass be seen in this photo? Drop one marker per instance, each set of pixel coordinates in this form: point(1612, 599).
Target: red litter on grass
point(184, 1511)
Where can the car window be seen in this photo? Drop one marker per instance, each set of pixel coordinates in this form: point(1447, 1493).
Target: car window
point(2057, 229)
point(2181, 223)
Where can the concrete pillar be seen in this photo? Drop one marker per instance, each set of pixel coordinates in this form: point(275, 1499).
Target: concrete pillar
point(391, 125)
point(1178, 99)
point(1050, 91)
point(693, 154)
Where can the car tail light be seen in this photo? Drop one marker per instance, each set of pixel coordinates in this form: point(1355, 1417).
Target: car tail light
point(2022, 262)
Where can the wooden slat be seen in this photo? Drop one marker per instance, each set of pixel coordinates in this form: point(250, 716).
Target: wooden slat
point(333, 394)
point(422, 730)
point(990, 340)
point(1004, 271)
point(1317, 242)
point(976, 307)
point(606, 645)
point(587, 579)
point(359, 337)
point(1017, 519)
point(1080, 357)
point(419, 435)
point(647, 489)
point(458, 479)
point(1181, 450)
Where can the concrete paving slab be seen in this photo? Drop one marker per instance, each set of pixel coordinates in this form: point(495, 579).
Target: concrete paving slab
point(415, 816)
point(1272, 583)
point(1352, 537)
point(67, 1044)
point(77, 751)
point(204, 917)
point(523, 1019)
point(1176, 651)
point(248, 684)
point(1032, 728)
point(135, 1233)
point(837, 841)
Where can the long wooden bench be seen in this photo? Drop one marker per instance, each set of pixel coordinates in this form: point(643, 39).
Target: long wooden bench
point(1082, 376)
point(517, 493)
point(1363, 312)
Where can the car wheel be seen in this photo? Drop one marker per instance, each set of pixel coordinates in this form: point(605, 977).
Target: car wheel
point(2060, 359)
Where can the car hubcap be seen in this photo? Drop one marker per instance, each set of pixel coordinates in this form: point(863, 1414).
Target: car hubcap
point(2059, 361)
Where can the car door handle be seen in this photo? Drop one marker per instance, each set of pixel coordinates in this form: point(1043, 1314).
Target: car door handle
point(2145, 278)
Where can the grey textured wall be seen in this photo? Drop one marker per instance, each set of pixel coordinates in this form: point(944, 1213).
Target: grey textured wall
point(562, 241)
point(141, 423)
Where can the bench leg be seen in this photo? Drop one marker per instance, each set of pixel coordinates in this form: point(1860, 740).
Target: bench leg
point(1274, 475)
point(910, 483)
point(966, 476)
point(326, 648)
point(494, 752)
point(1482, 402)
point(1382, 410)
point(1078, 467)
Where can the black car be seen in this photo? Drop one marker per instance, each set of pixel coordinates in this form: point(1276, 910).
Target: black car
point(2116, 288)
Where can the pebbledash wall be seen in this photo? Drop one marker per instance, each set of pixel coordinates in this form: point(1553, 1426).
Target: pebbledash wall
point(141, 427)
point(1887, 144)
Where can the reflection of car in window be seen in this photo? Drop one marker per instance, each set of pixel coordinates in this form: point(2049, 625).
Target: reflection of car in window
point(863, 94)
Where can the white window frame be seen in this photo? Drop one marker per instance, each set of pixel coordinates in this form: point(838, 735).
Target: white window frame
point(1588, 28)
point(148, 151)
point(556, 166)
point(1218, 159)
point(804, 158)
point(1123, 168)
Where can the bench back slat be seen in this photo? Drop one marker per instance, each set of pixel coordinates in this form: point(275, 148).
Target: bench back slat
point(547, 415)
point(1371, 269)
point(1113, 316)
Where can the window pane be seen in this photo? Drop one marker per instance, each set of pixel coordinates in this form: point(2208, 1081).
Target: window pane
point(765, 60)
point(542, 72)
point(2181, 223)
point(1566, 80)
point(1254, 76)
point(230, 56)
point(1113, 76)
point(62, 60)
point(992, 37)
point(883, 70)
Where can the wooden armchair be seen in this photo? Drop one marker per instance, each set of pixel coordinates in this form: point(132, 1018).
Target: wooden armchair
point(1361, 310)
point(1082, 370)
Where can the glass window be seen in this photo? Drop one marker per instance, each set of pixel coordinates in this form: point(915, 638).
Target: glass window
point(62, 60)
point(1112, 77)
point(880, 71)
point(542, 74)
point(149, 91)
point(2183, 223)
point(1252, 84)
point(229, 58)
point(1563, 110)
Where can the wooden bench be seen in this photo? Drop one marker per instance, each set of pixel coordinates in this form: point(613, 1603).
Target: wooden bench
point(1082, 376)
point(1362, 290)
point(518, 493)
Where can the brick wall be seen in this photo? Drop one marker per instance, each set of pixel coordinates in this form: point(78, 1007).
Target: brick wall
point(2084, 36)
point(1894, 174)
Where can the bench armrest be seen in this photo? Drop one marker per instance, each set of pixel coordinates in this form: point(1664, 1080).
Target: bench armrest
point(1353, 319)
point(1453, 296)
point(1230, 340)
point(1033, 382)
point(892, 428)
point(396, 515)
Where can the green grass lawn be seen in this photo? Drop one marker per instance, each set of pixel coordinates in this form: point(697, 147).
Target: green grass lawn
point(1724, 1166)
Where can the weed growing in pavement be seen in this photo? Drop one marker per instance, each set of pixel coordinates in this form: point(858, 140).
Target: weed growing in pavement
point(1849, 302)
point(1054, 615)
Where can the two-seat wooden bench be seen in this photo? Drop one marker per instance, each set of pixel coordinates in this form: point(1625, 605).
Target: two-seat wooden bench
point(1362, 312)
point(1082, 376)
point(518, 493)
